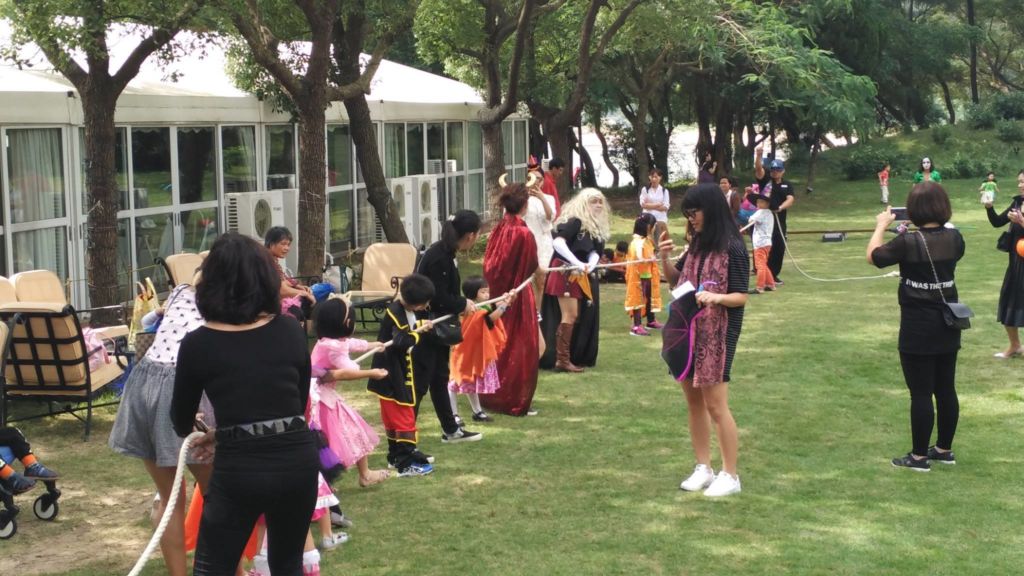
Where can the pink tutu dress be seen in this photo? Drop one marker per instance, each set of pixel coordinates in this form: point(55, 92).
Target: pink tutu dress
point(348, 435)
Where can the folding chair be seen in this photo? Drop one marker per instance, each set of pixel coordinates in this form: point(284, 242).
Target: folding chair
point(384, 265)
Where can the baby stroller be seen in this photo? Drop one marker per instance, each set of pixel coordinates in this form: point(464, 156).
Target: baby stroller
point(45, 506)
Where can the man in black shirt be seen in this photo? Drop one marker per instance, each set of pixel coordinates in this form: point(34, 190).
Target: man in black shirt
point(781, 199)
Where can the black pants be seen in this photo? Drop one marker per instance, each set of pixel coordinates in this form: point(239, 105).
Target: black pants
point(778, 247)
point(645, 288)
point(15, 440)
point(279, 481)
point(432, 375)
point(927, 376)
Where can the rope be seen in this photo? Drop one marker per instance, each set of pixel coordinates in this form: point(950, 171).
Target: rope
point(513, 292)
point(611, 264)
point(792, 259)
point(169, 506)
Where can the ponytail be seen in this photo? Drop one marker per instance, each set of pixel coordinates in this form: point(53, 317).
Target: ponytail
point(458, 225)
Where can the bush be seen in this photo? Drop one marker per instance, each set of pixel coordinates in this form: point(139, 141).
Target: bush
point(942, 134)
point(981, 116)
point(1009, 106)
point(1010, 132)
point(867, 161)
point(965, 166)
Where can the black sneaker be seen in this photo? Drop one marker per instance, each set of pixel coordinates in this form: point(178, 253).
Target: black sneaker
point(422, 457)
point(943, 457)
point(915, 464)
point(482, 416)
point(461, 435)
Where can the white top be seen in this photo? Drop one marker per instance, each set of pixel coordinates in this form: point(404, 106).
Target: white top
point(658, 196)
point(540, 226)
point(764, 225)
point(180, 317)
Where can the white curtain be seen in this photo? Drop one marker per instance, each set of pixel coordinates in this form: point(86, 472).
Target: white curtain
point(36, 164)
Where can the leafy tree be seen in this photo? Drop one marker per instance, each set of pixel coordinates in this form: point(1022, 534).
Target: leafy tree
point(65, 28)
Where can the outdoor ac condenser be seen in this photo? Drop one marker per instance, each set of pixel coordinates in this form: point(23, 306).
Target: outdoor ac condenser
point(402, 190)
point(253, 213)
point(425, 210)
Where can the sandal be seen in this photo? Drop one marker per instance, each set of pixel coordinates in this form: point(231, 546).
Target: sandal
point(375, 477)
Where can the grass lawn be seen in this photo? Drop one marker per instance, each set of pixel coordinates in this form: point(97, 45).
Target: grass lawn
point(590, 486)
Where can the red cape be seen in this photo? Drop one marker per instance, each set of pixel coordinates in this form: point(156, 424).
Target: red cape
point(550, 187)
point(510, 259)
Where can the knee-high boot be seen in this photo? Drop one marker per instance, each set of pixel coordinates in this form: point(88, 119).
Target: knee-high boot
point(563, 342)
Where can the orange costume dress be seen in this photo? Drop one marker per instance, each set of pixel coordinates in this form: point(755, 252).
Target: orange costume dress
point(474, 362)
point(641, 248)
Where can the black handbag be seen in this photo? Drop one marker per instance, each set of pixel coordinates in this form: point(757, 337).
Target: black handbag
point(956, 314)
point(1003, 242)
point(448, 331)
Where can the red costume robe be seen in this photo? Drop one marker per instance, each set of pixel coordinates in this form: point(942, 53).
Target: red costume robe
point(550, 187)
point(510, 259)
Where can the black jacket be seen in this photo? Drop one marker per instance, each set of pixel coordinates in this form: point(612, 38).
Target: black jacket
point(438, 264)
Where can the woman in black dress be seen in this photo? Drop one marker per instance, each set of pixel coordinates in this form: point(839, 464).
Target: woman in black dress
point(1011, 297)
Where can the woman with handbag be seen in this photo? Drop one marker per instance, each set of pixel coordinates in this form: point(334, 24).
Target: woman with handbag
point(439, 263)
point(929, 337)
point(1011, 297)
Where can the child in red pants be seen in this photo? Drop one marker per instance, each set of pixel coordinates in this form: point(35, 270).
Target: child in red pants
point(763, 222)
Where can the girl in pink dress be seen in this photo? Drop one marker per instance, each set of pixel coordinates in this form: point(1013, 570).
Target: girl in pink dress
point(348, 435)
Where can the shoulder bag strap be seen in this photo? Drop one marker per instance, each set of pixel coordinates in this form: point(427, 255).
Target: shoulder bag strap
point(934, 273)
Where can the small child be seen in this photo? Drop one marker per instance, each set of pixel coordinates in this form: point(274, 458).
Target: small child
point(643, 279)
point(16, 446)
point(474, 361)
point(747, 208)
point(397, 391)
point(988, 189)
point(763, 222)
point(883, 182)
point(617, 273)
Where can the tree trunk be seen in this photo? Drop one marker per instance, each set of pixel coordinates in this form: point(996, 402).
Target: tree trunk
point(643, 160)
point(102, 198)
point(723, 134)
point(604, 152)
point(589, 179)
point(950, 109)
point(703, 114)
point(312, 189)
point(494, 161)
point(377, 191)
point(558, 139)
point(974, 54)
point(812, 165)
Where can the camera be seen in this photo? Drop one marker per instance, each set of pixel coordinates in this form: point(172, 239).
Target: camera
point(899, 213)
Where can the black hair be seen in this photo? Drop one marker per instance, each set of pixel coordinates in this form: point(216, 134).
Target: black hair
point(556, 162)
point(657, 171)
point(513, 197)
point(462, 223)
point(990, 173)
point(609, 253)
point(643, 223)
point(332, 319)
point(417, 289)
point(621, 246)
point(719, 228)
point(276, 235)
point(472, 286)
point(928, 202)
point(921, 165)
point(238, 281)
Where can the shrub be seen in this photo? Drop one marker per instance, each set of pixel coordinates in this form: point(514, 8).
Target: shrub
point(866, 161)
point(965, 166)
point(1009, 106)
point(1010, 132)
point(981, 116)
point(942, 134)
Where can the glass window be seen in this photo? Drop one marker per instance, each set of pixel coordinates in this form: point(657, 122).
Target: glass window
point(475, 151)
point(125, 280)
point(506, 143)
point(340, 231)
point(394, 150)
point(414, 147)
point(456, 193)
point(197, 165)
point(519, 175)
point(435, 144)
point(281, 157)
point(455, 147)
point(367, 233)
point(339, 155)
point(44, 249)
point(475, 194)
point(198, 229)
point(154, 237)
point(151, 167)
point(239, 152)
point(359, 169)
point(519, 152)
point(35, 163)
point(120, 163)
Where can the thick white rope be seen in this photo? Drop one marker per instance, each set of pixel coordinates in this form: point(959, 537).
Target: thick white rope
point(792, 259)
point(424, 328)
point(172, 499)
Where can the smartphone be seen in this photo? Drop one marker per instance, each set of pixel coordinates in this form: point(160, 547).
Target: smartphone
point(899, 213)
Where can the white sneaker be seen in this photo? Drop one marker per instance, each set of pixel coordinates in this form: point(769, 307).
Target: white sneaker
point(699, 480)
point(724, 485)
point(333, 541)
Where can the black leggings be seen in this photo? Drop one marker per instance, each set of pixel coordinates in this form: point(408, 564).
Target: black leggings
point(645, 288)
point(281, 484)
point(432, 377)
point(930, 375)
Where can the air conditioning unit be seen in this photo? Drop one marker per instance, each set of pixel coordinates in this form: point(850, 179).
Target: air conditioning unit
point(452, 165)
point(435, 166)
point(254, 213)
point(426, 212)
point(402, 190)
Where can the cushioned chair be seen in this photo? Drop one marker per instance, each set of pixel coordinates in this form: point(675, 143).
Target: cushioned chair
point(181, 268)
point(38, 286)
point(48, 360)
point(384, 265)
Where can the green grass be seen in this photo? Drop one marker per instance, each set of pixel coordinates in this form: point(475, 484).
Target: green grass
point(590, 486)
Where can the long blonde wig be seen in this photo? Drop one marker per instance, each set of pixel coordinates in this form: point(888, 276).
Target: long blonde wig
point(579, 207)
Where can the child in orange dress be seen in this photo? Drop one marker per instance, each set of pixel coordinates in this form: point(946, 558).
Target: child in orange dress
point(643, 279)
point(474, 361)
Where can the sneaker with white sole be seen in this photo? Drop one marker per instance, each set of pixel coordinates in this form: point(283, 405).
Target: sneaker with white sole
point(701, 478)
point(333, 541)
point(461, 435)
point(723, 485)
point(416, 469)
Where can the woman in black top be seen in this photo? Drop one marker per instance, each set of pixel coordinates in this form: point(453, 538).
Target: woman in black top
point(928, 346)
point(1011, 296)
point(439, 263)
point(254, 366)
point(716, 264)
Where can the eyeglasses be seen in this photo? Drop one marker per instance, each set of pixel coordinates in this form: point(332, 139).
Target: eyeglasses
point(691, 213)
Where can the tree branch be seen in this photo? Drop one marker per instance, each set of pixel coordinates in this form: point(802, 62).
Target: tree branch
point(155, 41)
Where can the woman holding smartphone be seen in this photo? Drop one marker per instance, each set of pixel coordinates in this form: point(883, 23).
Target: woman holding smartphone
point(928, 346)
point(1011, 297)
